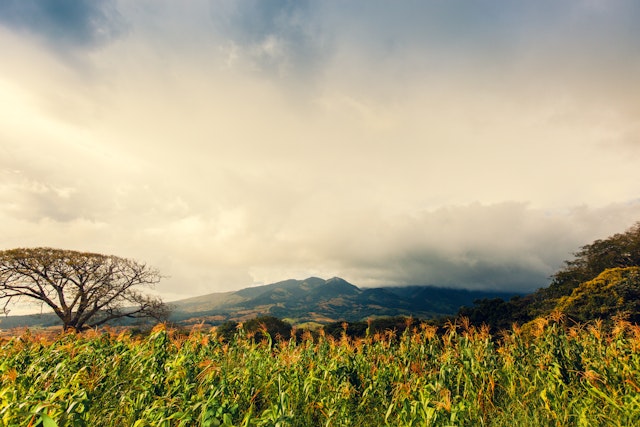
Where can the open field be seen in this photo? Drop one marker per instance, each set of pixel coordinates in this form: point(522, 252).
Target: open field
point(548, 374)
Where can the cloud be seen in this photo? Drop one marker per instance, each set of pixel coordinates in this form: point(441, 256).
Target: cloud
point(64, 23)
point(281, 38)
point(238, 142)
point(507, 246)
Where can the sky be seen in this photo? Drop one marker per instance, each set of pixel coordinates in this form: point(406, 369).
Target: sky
point(231, 143)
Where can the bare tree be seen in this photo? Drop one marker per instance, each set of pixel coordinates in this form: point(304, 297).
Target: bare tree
point(83, 289)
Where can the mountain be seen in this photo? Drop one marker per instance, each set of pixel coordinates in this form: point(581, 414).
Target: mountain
point(322, 301)
point(309, 300)
point(601, 283)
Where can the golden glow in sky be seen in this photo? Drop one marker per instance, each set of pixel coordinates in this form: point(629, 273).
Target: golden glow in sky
point(469, 144)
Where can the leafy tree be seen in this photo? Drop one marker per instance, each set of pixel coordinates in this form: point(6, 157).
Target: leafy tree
point(618, 251)
point(372, 326)
point(256, 327)
point(616, 291)
point(275, 327)
point(353, 329)
point(495, 312)
point(83, 289)
point(227, 329)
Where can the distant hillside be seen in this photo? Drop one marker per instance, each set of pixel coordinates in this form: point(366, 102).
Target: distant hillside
point(299, 301)
point(44, 320)
point(323, 301)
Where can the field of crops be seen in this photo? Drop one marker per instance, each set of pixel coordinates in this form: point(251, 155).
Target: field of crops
point(549, 375)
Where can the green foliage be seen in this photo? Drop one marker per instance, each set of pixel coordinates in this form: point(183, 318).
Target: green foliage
point(263, 325)
point(549, 376)
point(587, 288)
point(621, 250)
point(227, 330)
point(397, 324)
point(496, 312)
point(258, 328)
point(618, 251)
point(616, 291)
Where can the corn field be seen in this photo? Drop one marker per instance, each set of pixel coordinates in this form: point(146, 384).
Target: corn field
point(546, 375)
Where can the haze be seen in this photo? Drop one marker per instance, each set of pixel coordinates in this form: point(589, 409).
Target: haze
point(232, 143)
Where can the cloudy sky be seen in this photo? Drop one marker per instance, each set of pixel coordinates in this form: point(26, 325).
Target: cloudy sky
point(238, 142)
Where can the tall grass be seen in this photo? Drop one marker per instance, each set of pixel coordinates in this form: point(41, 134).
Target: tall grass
point(550, 375)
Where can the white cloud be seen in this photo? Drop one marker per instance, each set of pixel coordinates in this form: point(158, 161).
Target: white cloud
point(389, 153)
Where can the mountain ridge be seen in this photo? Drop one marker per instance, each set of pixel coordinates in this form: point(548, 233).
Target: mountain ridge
point(308, 300)
point(319, 300)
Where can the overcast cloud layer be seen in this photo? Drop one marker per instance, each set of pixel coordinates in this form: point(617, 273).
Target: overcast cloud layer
point(229, 143)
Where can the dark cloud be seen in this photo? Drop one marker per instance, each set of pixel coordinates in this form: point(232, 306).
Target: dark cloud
point(64, 23)
point(564, 41)
point(507, 246)
point(282, 37)
point(490, 25)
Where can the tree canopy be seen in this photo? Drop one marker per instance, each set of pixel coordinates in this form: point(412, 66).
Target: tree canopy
point(83, 289)
point(618, 251)
point(614, 292)
point(601, 281)
point(257, 327)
